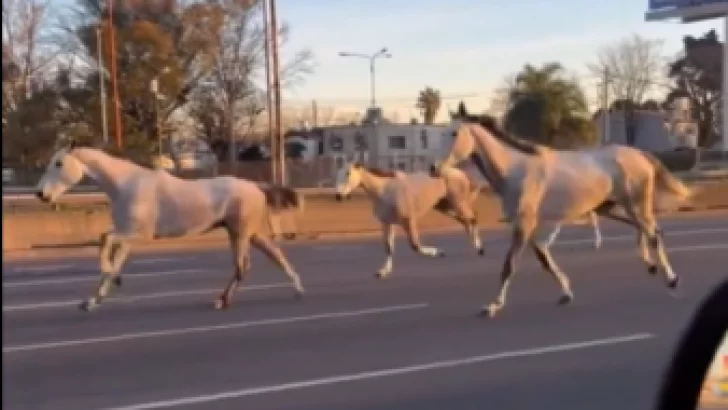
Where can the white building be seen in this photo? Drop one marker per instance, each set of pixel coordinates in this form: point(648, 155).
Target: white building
point(655, 130)
point(409, 147)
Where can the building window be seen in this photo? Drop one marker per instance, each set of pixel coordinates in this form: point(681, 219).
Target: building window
point(360, 141)
point(397, 142)
point(401, 166)
point(423, 139)
point(335, 143)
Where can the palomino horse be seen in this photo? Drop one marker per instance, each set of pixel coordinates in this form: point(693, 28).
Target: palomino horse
point(593, 218)
point(154, 204)
point(401, 198)
point(541, 188)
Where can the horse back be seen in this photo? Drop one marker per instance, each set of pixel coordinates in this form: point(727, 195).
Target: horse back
point(418, 194)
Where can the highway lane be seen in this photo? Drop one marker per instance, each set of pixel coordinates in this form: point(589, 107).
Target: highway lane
point(412, 341)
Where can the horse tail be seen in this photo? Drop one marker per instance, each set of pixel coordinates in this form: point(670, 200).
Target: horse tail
point(282, 198)
point(667, 180)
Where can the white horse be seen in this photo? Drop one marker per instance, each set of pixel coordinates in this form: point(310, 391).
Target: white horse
point(154, 204)
point(400, 198)
point(541, 188)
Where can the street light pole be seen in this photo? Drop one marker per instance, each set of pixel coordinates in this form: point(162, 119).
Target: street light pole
point(383, 53)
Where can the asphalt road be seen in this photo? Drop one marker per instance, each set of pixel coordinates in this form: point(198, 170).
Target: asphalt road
point(410, 342)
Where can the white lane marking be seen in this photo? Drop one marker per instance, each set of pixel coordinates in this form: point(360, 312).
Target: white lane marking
point(212, 328)
point(633, 237)
point(396, 371)
point(127, 299)
point(68, 266)
point(42, 268)
point(153, 261)
point(329, 248)
point(87, 278)
point(704, 247)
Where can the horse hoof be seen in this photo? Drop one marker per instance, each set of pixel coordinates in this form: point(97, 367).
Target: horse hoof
point(299, 294)
point(117, 281)
point(221, 304)
point(440, 254)
point(87, 305)
point(381, 275)
point(481, 251)
point(652, 269)
point(672, 284)
point(565, 300)
point(488, 312)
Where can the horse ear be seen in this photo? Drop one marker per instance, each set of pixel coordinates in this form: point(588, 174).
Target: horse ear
point(71, 144)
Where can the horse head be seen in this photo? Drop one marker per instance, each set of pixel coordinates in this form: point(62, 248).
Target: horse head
point(348, 178)
point(63, 171)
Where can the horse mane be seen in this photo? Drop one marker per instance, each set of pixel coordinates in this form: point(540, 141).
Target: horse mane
point(381, 172)
point(110, 151)
point(490, 124)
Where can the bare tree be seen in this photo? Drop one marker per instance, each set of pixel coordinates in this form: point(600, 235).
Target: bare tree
point(633, 67)
point(26, 53)
point(231, 99)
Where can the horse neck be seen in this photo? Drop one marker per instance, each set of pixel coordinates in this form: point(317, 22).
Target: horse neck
point(108, 172)
point(372, 184)
point(499, 158)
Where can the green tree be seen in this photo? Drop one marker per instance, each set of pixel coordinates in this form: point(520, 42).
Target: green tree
point(697, 74)
point(169, 42)
point(547, 107)
point(429, 103)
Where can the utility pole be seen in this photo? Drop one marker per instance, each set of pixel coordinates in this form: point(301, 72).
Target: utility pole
point(269, 90)
point(314, 113)
point(279, 137)
point(102, 85)
point(114, 82)
point(605, 107)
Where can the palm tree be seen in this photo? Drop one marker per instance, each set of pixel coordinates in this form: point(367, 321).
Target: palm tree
point(546, 106)
point(429, 103)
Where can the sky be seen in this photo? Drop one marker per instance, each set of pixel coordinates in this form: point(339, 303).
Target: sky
point(461, 47)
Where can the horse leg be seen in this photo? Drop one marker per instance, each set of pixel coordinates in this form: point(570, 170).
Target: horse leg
point(594, 219)
point(645, 210)
point(541, 249)
point(552, 237)
point(467, 218)
point(240, 247)
point(114, 253)
point(413, 234)
point(608, 210)
point(521, 234)
point(275, 254)
point(475, 236)
point(388, 237)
